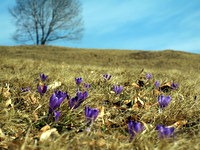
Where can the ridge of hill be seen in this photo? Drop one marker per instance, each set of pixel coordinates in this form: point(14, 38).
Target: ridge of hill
point(166, 59)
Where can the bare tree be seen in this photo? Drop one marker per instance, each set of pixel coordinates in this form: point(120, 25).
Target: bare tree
point(43, 21)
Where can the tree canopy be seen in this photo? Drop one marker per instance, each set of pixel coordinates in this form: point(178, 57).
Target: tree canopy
point(43, 21)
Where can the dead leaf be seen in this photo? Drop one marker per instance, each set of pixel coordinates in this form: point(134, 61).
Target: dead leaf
point(36, 117)
point(54, 85)
point(140, 101)
point(135, 106)
point(30, 99)
point(45, 128)
point(2, 135)
point(33, 99)
point(5, 92)
point(127, 101)
point(49, 134)
point(166, 87)
point(156, 92)
point(147, 105)
point(9, 103)
point(101, 142)
point(135, 85)
point(179, 123)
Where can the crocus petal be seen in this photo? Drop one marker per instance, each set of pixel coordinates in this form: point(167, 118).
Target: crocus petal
point(148, 76)
point(85, 95)
point(174, 86)
point(43, 77)
point(163, 101)
point(25, 89)
point(91, 113)
point(157, 84)
point(87, 86)
point(53, 101)
point(106, 76)
point(73, 103)
point(165, 132)
point(56, 99)
point(117, 89)
point(78, 99)
point(57, 115)
point(134, 128)
point(78, 81)
point(42, 89)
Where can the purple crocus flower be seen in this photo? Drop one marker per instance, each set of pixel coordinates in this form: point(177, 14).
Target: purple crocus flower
point(42, 89)
point(43, 77)
point(134, 128)
point(76, 101)
point(56, 99)
point(148, 76)
point(25, 89)
point(107, 76)
point(91, 114)
point(174, 86)
point(157, 84)
point(56, 115)
point(165, 132)
point(163, 101)
point(87, 86)
point(78, 81)
point(117, 89)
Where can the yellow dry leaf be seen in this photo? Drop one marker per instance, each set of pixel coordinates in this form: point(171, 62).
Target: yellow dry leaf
point(156, 92)
point(147, 105)
point(102, 111)
point(167, 84)
point(127, 101)
point(101, 142)
point(179, 123)
point(35, 115)
point(45, 128)
point(9, 103)
point(33, 99)
point(54, 85)
point(2, 135)
point(140, 101)
point(135, 106)
point(6, 93)
point(52, 133)
point(135, 85)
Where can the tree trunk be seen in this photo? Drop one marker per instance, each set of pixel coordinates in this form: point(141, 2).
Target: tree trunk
point(43, 42)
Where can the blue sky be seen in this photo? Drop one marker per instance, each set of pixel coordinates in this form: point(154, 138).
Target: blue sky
point(129, 24)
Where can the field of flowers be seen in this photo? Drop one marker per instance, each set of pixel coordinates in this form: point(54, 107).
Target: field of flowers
point(57, 100)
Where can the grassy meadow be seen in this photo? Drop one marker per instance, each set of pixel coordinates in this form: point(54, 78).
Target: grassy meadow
point(25, 123)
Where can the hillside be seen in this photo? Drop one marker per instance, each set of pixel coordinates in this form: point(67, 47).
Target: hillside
point(158, 91)
point(166, 59)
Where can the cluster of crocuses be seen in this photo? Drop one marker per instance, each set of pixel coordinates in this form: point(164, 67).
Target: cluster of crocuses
point(137, 127)
point(173, 85)
point(164, 131)
point(58, 97)
point(41, 86)
point(163, 101)
point(55, 101)
point(91, 113)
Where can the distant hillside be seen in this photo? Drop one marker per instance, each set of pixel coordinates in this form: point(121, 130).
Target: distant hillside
point(167, 59)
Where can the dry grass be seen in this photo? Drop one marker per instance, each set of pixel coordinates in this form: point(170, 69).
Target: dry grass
point(23, 115)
